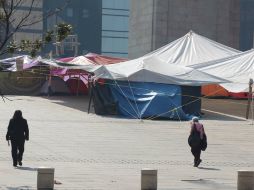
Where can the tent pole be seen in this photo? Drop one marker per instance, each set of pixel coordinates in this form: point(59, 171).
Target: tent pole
point(90, 91)
point(49, 84)
point(90, 98)
point(77, 93)
point(249, 98)
point(252, 111)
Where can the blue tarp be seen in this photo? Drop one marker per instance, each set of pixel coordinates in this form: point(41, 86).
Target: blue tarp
point(148, 100)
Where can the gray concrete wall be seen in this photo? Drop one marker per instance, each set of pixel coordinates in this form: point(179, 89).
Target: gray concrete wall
point(216, 19)
point(140, 27)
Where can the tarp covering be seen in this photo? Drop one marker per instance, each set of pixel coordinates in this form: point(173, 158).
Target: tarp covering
point(18, 63)
point(146, 100)
point(214, 90)
point(102, 59)
point(154, 70)
point(238, 69)
point(97, 59)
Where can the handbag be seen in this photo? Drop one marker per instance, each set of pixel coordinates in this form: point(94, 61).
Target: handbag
point(194, 139)
point(204, 143)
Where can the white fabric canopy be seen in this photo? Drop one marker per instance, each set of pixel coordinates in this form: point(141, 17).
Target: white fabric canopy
point(238, 69)
point(165, 65)
point(154, 70)
point(160, 65)
point(192, 49)
point(79, 62)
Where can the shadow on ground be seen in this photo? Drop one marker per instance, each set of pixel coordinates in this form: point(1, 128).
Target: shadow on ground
point(20, 188)
point(215, 116)
point(75, 102)
point(208, 183)
point(205, 168)
point(231, 107)
point(27, 168)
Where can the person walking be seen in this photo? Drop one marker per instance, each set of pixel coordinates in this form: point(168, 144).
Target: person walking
point(197, 140)
point(17, 132)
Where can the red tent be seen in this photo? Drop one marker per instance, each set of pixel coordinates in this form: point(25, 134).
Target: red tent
point(77, 80)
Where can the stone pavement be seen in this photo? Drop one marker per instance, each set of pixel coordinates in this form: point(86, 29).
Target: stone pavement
point(91, 152)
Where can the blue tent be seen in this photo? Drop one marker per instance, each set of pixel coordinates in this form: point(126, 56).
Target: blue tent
point(147, 100)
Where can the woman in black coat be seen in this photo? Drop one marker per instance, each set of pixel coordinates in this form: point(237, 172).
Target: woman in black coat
point(17, 132)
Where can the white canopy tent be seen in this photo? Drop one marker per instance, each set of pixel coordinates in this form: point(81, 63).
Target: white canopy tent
point(160, 65)
point(192, 49)
point(154, 70)
point(79, 62)
point(237, 69)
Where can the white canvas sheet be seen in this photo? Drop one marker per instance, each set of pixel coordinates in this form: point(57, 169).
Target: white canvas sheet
point(165, 65)
point(192, 49)
point(238, 69)
point(154, 70)
point(77, 63)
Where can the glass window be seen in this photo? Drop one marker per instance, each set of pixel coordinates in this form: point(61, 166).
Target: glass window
point(115, 45)
point(115, 27)
point(115, 12)
point(115, 33)
point(85, 13)
point(117, 4)
point(123, 55)
point(115, 23)
point(69, 12)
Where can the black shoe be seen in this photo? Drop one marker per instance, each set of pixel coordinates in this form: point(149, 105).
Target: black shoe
point(14, 165)
point(198, 162)
point(20, 163)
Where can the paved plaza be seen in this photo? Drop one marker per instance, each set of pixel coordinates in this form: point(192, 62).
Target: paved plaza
point(91, 152)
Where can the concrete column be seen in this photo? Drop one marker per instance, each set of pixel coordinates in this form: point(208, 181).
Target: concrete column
point(148, 179)
point(45, 178)
point(245, 180)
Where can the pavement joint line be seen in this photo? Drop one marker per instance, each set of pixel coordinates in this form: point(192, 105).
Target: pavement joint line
point(228, 115)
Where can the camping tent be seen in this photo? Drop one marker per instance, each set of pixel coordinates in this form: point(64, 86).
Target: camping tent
point(157, 68)
point(150, 88)
point(192, 49)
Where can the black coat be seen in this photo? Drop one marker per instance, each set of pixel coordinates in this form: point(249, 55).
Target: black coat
point(17, 130)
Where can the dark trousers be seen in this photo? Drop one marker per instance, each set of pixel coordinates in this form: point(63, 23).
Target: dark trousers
point(17, 150)
point(196, 151)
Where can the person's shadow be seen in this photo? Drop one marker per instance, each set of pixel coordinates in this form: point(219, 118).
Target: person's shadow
point(27, 168)
point(204, 168)
point(19, 188)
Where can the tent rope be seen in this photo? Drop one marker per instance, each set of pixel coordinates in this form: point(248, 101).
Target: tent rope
point(198, 98)
point(134, 99)
point(153, 117)
point(126, 97)
point(178, 115)
point(129, 112)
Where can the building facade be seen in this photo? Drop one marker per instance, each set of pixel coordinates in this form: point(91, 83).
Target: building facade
point(85, 17)
point(99, 26)
point(154, 23)
point(115, 27)
point(246, 24)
